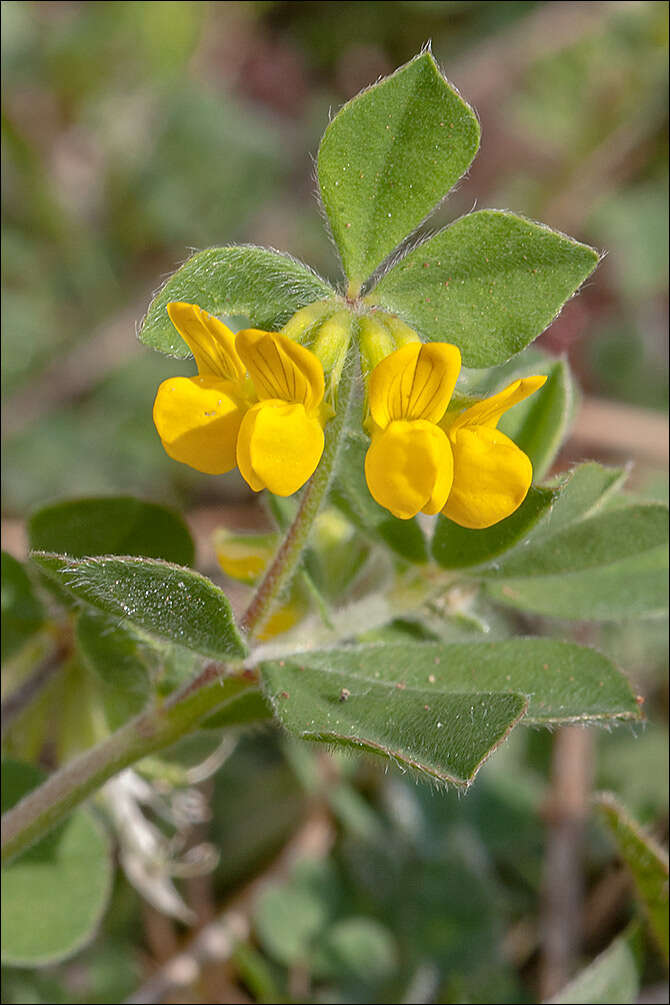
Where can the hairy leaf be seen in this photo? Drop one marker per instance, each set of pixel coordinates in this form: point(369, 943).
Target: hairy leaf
point(388, 157)
point(54, 894)
point(166, 600)
point(262, 284)
point(445, 735)
point(647, 862)
point(490, 283)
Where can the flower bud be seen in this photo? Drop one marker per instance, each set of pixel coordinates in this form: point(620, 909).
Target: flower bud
point(299, 327)
point(375, 342)
point(400, 332)
point(380, 335)
point(330, 343)
point(244, 557)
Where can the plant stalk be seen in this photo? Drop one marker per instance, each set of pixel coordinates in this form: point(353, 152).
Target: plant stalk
point(285, 562)
point(44, 807)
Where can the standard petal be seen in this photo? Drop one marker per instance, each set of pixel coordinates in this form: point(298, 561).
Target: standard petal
point(409, 468)
point(281, 368)
point(279, 447)
point(198, 419)
point(210, 341)
point(491, 477)
point(490, 410)
point(414, 382)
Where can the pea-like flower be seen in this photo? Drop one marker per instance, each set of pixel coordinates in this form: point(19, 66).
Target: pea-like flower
point(425, 459)
point(491, 474)
point(409, 467)
point(198, 418)
point(281, 439)
point(256, 403)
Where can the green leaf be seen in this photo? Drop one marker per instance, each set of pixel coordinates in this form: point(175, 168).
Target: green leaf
point(351, 494)
point(391, 683)
point(490, 283)
point(612, 978)
point(54, 894)
point(290, 917)
point(114, 525)
point(635, 587)
point(605, 537)
point(647, 862)
point(166, 600)
point(356, 949)
point(446, 736)
point(456, 547)
point(261, 284)
point(583, 492)
point(22, 612)
point(388, 157)
point(239, 710)
point(114, 654)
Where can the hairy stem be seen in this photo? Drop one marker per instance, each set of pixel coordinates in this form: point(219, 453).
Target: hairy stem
point(45, 806)
point(285, 562)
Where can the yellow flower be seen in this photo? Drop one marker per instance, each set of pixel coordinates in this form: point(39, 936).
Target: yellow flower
point(267, 421)
point(409, 466)
point(491, 474)
point(281, 439)
point(421, 460)
point(198, 418)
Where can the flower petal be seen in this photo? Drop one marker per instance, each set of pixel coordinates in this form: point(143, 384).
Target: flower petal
point(210, 341)
point(279, 446)
point(414, 382)
point(281, 368)
point(489, 411)
point(491, 477)
point(198, 419)
point(409, 468)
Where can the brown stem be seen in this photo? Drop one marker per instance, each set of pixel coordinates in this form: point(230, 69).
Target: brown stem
point(561, 926)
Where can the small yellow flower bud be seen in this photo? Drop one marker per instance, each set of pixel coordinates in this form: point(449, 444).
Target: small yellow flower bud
point(330, 345)
point(299, 327)
point(401, 333)
point(244, 556)
point(375, 341)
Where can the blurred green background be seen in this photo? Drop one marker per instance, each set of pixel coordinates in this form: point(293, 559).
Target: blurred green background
point(136, 132)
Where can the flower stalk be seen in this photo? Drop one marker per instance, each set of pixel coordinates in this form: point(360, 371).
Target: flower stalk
point(278, 577)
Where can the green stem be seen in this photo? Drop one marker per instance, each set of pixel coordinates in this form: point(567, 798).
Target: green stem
point(45, 806)
point(285, 562)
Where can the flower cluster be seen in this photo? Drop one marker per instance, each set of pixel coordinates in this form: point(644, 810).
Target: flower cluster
point(258, 404)
point(426, 459)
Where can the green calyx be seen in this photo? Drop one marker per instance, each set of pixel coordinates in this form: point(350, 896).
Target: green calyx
point(379, 335)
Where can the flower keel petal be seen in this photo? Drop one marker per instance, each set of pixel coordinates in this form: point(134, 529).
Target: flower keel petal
point(279, 446)
point(409, 468)
point(491, 477)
